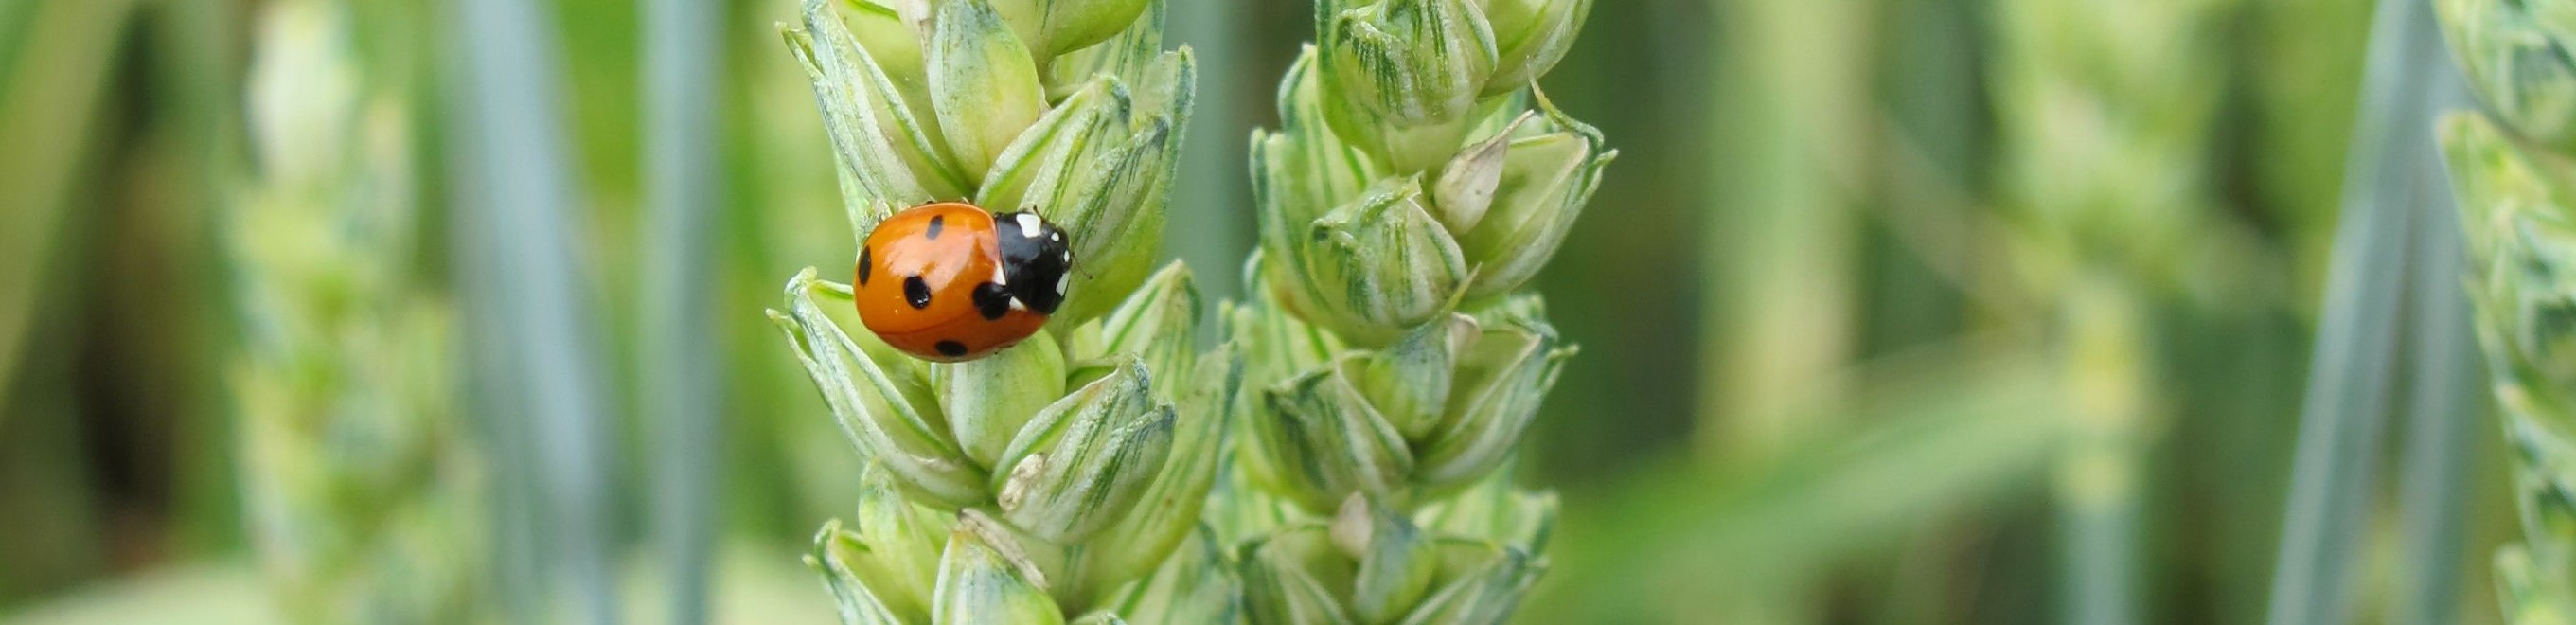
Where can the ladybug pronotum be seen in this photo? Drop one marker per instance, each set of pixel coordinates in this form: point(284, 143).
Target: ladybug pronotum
point(950, 282)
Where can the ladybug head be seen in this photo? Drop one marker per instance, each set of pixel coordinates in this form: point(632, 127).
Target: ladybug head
point(1036, 259)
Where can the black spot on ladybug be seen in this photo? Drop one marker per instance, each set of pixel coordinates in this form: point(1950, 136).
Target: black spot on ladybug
point(863, 265)
point(992, 300)
point(916, 292)
point(937, 223)
point(951, 349)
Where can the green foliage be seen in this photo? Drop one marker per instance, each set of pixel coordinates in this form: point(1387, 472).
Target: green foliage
point(2073, 186)
point(1681, 543)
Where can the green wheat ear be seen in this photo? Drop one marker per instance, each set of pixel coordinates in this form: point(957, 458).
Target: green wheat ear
point(2512, 176)
point(2110, 109)
point(1416, 184)
point(2516, 214)
point(1050, 481)
point(363, 488)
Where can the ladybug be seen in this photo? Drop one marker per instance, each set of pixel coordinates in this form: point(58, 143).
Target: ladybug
point(949, 282)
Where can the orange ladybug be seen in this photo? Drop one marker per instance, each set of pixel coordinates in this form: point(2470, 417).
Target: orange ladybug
point(950, 282)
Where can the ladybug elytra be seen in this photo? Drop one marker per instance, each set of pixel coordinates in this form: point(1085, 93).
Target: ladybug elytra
point(949, 282)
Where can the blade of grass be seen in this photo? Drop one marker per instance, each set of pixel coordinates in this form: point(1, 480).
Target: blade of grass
point(2446, 406)
point(682, 61)
point(1939, 441)
point(2107, 349)
point(48, 109)
point(198, 43)
point(2445, 414)
point(1780, 233)
point(2354, 364)
point(528, 312)
point(1207, 224)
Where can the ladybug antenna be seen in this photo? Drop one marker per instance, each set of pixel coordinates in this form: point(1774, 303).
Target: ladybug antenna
point(1074, 263)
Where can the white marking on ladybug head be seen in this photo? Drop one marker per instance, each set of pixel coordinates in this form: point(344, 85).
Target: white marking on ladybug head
point(1029, 225)
point(1056, 237)
point(998, 278)
point(1060, 281)
point(1016, 305)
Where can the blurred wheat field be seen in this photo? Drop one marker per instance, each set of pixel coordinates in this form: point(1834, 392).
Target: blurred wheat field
point(1934, 311)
